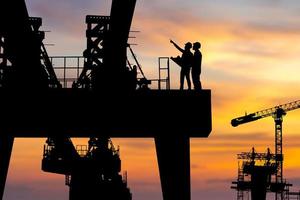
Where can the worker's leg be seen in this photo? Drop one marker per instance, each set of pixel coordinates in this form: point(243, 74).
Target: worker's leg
point(6, 144)
point(200, 85)
point(196, 80)
point(181, 79)
point(173, 155)
point(188, 79)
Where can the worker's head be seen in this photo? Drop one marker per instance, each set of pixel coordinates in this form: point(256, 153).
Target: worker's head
point(188, 46)
point(196, 45)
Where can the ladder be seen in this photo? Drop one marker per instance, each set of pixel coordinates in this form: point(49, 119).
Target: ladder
point(164, 72)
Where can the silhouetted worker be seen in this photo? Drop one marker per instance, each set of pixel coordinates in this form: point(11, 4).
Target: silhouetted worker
point(134, 77)
point(185, 62)
point(130, 80)
point(196, 66)
point(253, 155)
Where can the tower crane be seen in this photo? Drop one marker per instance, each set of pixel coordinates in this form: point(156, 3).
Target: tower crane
point(277, 113)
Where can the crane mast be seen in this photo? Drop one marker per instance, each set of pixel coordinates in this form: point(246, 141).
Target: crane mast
point(277, 113)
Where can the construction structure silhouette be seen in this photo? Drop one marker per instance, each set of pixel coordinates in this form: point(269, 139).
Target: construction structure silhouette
point(91, 171)
point(106, 100)
point(261, 175)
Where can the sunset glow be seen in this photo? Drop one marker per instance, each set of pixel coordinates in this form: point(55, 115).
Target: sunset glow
point(250, 62)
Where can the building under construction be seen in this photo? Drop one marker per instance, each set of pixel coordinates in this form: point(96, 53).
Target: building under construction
point(256, 174)
point(97, 165)
point(107, 97)
point(260, 173)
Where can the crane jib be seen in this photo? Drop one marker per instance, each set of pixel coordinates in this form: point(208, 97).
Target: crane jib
point(245, 119)
point(279, 110)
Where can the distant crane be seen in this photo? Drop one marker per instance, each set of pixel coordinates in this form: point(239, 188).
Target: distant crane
point(254, 174)
point(277, 113)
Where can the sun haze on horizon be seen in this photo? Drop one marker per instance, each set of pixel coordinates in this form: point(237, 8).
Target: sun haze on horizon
point(250, 62)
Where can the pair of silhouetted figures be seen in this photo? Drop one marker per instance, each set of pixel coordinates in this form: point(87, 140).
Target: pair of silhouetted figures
point(189, 61)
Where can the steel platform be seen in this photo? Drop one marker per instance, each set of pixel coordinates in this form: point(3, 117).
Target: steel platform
point(79, 113)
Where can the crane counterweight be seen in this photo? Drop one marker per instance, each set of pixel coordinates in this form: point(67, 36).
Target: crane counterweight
point(241, 120)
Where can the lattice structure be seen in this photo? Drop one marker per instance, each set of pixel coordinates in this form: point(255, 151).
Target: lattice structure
point(279, 154)
point(36, 23)
point(10, 60)
point(293, 195)
point(142, 82)
point(97, 165)
point(96, 34)
point(254, 174)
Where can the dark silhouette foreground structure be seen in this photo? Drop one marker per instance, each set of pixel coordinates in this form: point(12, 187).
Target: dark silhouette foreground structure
point(92, 171)
point(104, 102)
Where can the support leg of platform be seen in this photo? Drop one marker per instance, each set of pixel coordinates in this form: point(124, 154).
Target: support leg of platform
point(173, 155)
point(6, 144)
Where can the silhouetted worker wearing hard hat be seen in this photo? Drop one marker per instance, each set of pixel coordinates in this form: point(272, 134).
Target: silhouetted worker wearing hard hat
point(185, 62)
point(196, 66)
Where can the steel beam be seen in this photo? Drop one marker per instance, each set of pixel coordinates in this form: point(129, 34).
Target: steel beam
point(6, 145)
point(173, 155)
point(79, 113)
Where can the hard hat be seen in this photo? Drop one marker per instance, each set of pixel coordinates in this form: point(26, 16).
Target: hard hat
point(188, 44)
point(197, 45)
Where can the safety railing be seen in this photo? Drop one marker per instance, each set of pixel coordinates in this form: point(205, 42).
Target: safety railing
point(69, 68)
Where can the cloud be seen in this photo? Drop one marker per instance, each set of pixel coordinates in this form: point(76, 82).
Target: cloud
point(295, 181)
point(214, 193)
point(218, 181)
point(250, 62)
point(241, 136)
point(47, 190)
point(136, 143)
point(231, 47)
point(66, 21)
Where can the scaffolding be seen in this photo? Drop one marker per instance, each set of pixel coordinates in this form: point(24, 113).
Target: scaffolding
point(257, 174)
point(254, 174)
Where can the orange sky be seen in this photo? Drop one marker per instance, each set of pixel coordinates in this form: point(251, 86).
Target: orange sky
point(250, 62)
